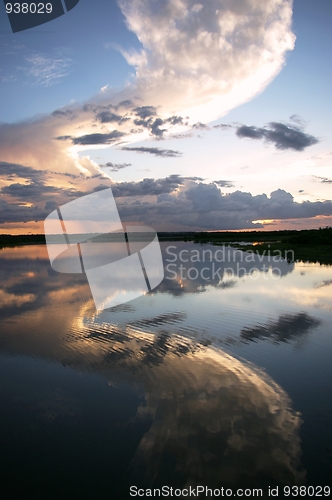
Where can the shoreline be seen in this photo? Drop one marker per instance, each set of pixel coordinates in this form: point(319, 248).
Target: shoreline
point(309, 245)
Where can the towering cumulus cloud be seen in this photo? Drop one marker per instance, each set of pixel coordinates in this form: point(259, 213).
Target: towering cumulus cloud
point(205, 58)
point(197, 61)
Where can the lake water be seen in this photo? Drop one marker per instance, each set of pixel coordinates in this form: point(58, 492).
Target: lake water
point(220, 377)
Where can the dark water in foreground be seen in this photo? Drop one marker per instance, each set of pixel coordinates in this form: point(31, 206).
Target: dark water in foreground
point(223, 380)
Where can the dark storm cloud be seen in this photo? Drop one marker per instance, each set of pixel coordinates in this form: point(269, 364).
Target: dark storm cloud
point(115, 167)
point(51, 205)
point(12, 170)
point(148, 186)
point(35, 200)
point(68, 113)
point(181, 201)
point(204, 197)
point(108, 117)
point(200, 126)
point(250, 132)
point(203, 207)
point(221, 183)
point(151, 124)
point(146, 116)
point(125, 104)
point(28, 191)
point(145, 111)
point(14, 212)
point(287, 328)
point(95, 108)
point(63, 138)
point(89, 107)
point(175, 120)
point(155, 127)
point(164, 153)
point(98, 138)
point(36, 191)
point(280, 204)
point(281, 135)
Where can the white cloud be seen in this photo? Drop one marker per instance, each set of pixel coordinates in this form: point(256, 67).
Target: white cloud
point(198, 60)
point(203, 60)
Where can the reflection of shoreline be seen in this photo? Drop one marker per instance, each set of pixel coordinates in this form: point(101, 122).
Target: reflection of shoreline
point(29, 285)
point(305, 245)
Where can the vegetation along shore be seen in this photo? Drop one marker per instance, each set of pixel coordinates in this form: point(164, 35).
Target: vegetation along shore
point(311, 245)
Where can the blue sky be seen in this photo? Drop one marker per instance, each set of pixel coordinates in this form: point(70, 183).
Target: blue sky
point(82, 41)
point(193, 114)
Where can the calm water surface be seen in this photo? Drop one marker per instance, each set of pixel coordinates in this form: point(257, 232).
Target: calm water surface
point(220, 377)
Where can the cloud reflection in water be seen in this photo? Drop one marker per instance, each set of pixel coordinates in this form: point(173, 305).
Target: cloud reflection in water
point(208, 416)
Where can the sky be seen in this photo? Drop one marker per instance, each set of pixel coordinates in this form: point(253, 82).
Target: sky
point(200, 115)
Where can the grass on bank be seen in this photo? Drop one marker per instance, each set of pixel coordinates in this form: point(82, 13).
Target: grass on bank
point(314, 245)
